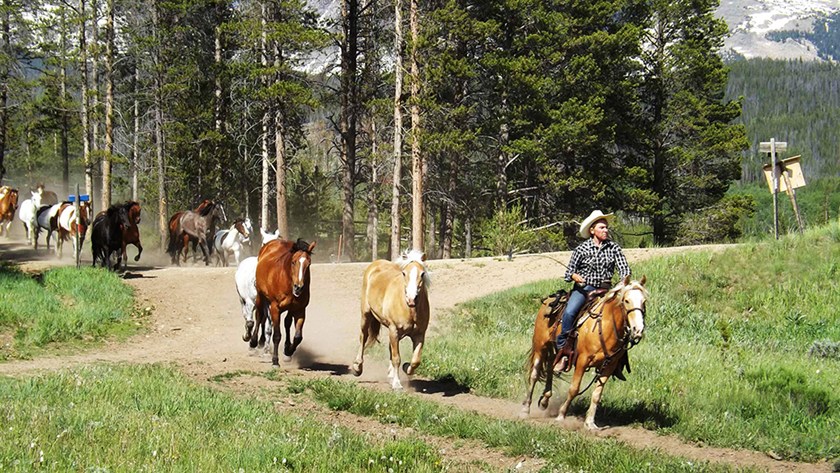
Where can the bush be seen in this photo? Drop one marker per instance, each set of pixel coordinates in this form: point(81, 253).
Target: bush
point(718, 223)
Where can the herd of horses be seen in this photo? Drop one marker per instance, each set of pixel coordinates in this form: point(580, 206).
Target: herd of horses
point(275, 286)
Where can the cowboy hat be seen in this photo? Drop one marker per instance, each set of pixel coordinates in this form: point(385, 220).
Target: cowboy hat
point(590, 220)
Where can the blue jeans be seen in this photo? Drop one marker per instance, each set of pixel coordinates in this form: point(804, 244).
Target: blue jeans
point(576, 300)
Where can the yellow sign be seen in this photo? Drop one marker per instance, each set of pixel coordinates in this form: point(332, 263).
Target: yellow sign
point(792, 170)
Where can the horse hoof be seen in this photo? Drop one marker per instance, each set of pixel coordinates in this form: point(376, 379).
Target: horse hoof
point(544, 403)
point(356, 369)
point(275, 361)
point(407, 369)
point(592, 426)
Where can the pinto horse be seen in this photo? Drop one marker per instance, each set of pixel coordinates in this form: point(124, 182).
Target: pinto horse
point(282, 281)
point(65, 223)
point(395, 294)
point(178, 239)
point(227, 242)
point(8, 206)
point(610, 327)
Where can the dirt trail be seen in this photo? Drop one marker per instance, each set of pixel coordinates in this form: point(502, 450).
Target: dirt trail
point(196, 323)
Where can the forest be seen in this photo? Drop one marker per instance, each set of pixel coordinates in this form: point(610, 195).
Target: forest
point(457, 127)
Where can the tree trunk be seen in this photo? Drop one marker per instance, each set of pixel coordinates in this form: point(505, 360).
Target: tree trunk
point(135, 144)
point(109, 104)
point(449, 215)
point(280, 156)
point(266, 164)
point(5, 44)
point(373, 192)
point(64, 119)
point(501, 163)
point(468, 238)
point(159, 145)
point(416, 158)
point(397, 175)
point(94, 92)
point(84, 98)
point(347, 122)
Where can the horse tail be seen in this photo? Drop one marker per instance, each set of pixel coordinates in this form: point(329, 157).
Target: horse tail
point(374, 325)
point(545, 364)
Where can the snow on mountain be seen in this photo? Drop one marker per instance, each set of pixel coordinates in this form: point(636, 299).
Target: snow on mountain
point(749, 22)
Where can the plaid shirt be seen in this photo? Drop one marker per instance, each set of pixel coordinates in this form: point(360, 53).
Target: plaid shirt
point(595, 264)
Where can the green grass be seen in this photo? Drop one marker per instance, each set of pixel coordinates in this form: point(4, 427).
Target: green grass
point(150, 418)
point(561, 450)
point(61, 306)
point(729, 336)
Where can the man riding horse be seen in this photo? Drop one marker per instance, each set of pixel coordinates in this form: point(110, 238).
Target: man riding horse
point(591, 268)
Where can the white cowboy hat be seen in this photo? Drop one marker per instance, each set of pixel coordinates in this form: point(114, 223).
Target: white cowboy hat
point(591, 219)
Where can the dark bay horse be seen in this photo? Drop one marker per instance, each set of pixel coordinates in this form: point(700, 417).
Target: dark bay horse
point(395, 294)
point(131, 232)
point(282, 281)
point(106, 235)
point(607, 330)
point(178, 239)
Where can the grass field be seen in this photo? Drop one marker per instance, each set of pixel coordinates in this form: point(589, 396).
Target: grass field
point(749, 336)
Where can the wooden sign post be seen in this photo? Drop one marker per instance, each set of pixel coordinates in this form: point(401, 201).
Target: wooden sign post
point(785, 175)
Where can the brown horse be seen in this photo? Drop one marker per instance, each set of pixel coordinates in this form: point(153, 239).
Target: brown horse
point(395, 294)
point(178, 239)
point(8, 206)
point(131, 233)
point(282, 281)
point(606, 331)
point(197, 225)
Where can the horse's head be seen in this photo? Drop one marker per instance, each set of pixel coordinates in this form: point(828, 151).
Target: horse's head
point(36, 198)
point(633, 297)
point(243, 227)
point(301, 259)
point(415, 274)
point(134, 210)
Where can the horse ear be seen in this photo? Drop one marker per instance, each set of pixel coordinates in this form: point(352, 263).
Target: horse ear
point(626, 280)
point(423, 257)
point(643, 280)
point(311, 247)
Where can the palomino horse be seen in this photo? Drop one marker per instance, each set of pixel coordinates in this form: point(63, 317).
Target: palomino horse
point(28, 214)
point(131, 232)
point(196, 225)
point(178, 239)
point(395, 294)
point(609, 328)
point(282, 281)
point(68, 227)
point(227, 242)
point(8, 206)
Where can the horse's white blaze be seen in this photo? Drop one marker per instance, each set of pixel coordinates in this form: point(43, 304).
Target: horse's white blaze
point(300, 269)
point(636, 318)
point(411, 287)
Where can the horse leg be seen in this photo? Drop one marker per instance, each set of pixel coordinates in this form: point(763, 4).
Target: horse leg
point(358, 364)
point(139, 250)
point(574, 389)
point(259, 315)
point(589, 423)
point(299, 319)
point(418, 341)
point(549, 378)
point(276, 335)
point(248, 314)
point(534, 363)
point(394, 368)
point(203, 244)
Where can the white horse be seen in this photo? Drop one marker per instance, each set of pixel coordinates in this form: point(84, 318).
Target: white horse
point(230, 241)
point(27, 214)
point(246, 287)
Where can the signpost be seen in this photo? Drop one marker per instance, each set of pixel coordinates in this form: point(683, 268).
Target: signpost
point(789, 172)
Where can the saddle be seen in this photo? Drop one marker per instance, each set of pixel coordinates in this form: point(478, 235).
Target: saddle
point(566, 357)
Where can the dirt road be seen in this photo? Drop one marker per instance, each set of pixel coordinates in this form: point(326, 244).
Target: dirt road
point(197, 324)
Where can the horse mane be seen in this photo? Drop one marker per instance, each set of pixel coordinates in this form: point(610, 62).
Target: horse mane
point(621, 288)
point(209, 208)
point(416, 256)
point(301, 245)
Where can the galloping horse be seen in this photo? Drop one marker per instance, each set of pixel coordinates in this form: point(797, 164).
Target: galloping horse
point(177, 238)
point(8, 206)
point(230, 241)
point(246, 287)
point(68, 228)
point(106, 235)
point(28, 214)
point(282, 282)
point(195, 225)
point(131, 232)
point(608, 329)
point(46, 219)
point(47, 197)
point(395, 294)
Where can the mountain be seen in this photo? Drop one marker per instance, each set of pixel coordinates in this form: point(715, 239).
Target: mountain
point(780, 29)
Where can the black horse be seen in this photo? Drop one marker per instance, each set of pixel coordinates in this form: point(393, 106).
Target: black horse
point(107, 235)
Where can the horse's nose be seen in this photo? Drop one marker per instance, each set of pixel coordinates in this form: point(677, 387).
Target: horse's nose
point(410, 301)
point(296, 290)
